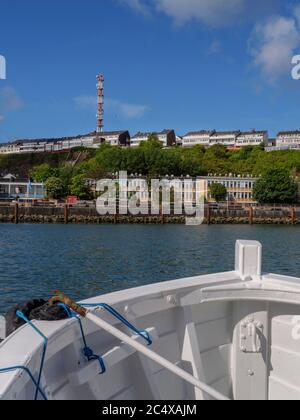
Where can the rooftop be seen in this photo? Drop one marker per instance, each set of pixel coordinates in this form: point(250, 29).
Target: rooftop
point(248, 133)
point(61, 139)
point(284, 133)
point(152, 133)
point(226, 133)
point(201, 132)
point(111, 133)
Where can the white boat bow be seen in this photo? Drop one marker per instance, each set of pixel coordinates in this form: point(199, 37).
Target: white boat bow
point(232, 335)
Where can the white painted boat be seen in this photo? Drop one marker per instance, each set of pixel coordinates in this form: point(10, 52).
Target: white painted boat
point(232, 335)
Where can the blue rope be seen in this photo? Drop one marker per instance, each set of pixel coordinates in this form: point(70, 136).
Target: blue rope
point(13, 368)
point(87, 351)
point(142, 333)
point(26, 320)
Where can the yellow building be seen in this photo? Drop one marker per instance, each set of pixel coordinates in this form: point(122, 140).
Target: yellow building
point(239, 188)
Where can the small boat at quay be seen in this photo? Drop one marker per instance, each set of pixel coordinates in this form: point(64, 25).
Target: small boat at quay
point(225, 336)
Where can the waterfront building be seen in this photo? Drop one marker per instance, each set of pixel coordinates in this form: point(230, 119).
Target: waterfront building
point(12, 188)
point(194, 138)
point(166, 137)
point(252, 138)
point(239, 188)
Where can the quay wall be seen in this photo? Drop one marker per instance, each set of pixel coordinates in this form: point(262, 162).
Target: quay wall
point(15, 213)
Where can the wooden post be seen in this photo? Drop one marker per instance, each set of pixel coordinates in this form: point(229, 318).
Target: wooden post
point(251, 215)
point(294, 216)
point(208, 214)
point(16, 213)
point(66, 214)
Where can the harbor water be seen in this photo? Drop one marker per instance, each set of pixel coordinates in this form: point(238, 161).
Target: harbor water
point(85, 261)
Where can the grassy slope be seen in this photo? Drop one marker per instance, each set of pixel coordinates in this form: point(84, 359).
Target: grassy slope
point(21, 165)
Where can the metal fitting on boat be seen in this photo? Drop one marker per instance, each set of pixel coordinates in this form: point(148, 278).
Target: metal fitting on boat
point(172, 300)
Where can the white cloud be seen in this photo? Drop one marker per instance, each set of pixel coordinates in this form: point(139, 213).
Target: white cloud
point(124, 109)
point(208, 12)
point(138, 6)
point(272, 46)
point(297, 14)
point(211, 12)
point(86, 102)
point(9, 102)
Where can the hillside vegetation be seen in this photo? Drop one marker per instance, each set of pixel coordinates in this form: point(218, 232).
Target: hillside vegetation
point(66, 173)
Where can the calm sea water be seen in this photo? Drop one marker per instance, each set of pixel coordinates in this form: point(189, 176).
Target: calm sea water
point(84, 261)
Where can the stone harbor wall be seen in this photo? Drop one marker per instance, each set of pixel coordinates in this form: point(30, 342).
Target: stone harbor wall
point(15, 213)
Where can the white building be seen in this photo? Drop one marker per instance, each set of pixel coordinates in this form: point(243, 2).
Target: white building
point(114, 138)
point(9, 148)
point(252, 138)
point(92, 140)
point(46, 145)
point(288, 138)
point(12, 188)
point(226, 138)
point(166, 137)
point(179, 141)
point(194, 138)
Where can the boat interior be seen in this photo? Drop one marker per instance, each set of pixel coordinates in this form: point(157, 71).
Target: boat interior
point(237, 332)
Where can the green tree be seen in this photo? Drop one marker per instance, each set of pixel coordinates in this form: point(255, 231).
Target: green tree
point(110, 158)
point(80, 188)
point(192, 161)
point(275, 186)
point(134, 161)
point(152, 151)
point(42, 172)
point(153, 141)
point(54, 187)
point(218, 192)
point(91, 169)
point(66, 172)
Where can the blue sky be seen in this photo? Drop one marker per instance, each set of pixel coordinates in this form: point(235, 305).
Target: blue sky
point(183, 64)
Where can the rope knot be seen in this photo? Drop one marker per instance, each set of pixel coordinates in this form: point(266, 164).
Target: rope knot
point(89, 354)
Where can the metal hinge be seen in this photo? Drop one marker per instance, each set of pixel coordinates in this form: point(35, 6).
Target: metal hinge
point(251, 334)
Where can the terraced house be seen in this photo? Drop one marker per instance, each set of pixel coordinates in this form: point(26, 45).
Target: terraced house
point(200, 138)
point(166, 137)
point(92, 140)
point(230, 139)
